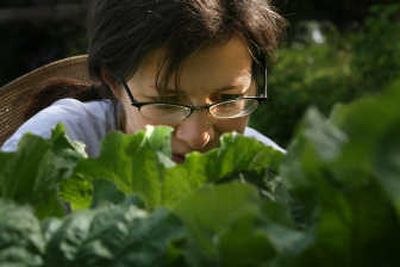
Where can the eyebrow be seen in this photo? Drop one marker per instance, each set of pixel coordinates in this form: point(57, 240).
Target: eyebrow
point(217, 90)
point(227, 88)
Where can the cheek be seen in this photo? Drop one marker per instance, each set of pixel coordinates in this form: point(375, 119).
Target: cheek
point(135, 121)
point(132, 120)
point(230, 125)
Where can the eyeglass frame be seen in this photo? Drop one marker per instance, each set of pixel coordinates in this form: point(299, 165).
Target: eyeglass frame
point(259, 73)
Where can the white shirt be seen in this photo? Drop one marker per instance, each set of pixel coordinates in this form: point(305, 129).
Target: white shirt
point(87, 122)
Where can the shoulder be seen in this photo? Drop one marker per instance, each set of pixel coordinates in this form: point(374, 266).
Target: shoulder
point(250, 132)
point(73, 106)
point(87, 122)
point(74, 111)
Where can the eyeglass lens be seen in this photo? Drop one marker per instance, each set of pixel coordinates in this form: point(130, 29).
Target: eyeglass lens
point(223, 110)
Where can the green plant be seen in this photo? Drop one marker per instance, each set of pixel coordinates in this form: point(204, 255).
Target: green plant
point(344, 68)
point(332, 200)
point(377, 49)
point(305, 75)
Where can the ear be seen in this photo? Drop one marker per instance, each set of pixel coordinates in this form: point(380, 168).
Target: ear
point(111, 82)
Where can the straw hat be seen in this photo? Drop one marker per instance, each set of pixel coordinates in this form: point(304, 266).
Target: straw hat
point(15, 96)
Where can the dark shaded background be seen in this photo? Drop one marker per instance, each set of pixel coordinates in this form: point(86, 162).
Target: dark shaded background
point(36, 32)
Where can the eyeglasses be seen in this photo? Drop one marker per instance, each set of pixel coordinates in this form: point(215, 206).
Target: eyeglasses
point(171, 113)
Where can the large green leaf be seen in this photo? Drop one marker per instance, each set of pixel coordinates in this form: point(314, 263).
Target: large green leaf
point(140, 164)
point(135, 164)
point(31, 174)
point(373, 124)
point(230, 225)
point(116, 236)
point(237, 158)
point(21, 239)
point(340, 172)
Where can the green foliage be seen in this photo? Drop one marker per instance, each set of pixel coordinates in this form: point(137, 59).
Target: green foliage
point(21, 241)
point(166, 183)
point(377, 49)
point(115, 231)
point(44, 163)
point(229, 225)
point(343, 13)
point(342, 69)
point(109, 236)
point(315, 74)
point(115, 236)
point(342, 171)
point(332, 200)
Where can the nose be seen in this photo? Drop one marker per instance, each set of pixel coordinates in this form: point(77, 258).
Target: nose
point(196, 131)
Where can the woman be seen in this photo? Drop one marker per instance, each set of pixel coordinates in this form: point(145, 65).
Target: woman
point(196, 65)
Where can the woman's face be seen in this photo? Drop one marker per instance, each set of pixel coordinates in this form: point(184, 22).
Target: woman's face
point(209, 75)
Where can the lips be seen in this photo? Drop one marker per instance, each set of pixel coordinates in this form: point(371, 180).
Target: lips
point(178, 158)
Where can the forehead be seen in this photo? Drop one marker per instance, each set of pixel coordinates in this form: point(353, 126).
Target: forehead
point(213, 67)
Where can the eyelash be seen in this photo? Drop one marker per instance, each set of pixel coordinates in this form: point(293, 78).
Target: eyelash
point(180, 99)
point(226, 97)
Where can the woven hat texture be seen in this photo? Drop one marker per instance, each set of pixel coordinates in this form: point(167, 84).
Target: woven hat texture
point(15, 96)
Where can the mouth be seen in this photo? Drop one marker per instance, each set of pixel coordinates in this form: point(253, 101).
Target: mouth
point(178, 158)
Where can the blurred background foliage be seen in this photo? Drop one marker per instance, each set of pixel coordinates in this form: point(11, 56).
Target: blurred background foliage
point(324, 62)
point(333, 51)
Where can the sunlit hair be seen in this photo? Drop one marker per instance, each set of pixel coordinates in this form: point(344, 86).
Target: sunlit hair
point(123, 32)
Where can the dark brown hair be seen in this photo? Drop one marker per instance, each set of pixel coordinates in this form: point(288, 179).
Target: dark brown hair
point(57, 88)
point(123, 32)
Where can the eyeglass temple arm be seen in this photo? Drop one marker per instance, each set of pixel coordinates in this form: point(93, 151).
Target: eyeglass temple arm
point(260, 67)
point(128, 91)
point(265, 93)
